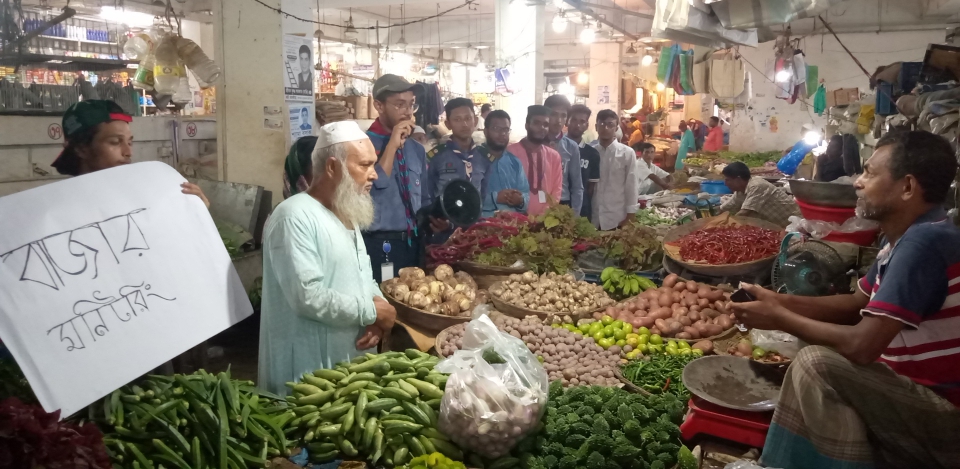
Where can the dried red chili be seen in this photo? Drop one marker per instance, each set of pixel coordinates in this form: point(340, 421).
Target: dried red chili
point(728, 244)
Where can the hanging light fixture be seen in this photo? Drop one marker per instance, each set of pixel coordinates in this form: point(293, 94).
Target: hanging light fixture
point(646, 60)
point(559, 23)
point(660, 87)
point(588, 35)
point(350, 31)
point(631, 50)
point(582, 78)
point(402, 43)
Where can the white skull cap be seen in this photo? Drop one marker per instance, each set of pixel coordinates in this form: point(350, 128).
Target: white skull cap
point(339, 132)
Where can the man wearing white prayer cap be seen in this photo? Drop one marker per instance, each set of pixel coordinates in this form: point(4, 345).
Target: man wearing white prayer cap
point(320, 303)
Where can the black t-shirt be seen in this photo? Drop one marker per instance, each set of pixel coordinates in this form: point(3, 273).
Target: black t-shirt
point(590, 171)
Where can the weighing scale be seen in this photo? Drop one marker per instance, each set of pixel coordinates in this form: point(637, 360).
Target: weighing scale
point(733, 399)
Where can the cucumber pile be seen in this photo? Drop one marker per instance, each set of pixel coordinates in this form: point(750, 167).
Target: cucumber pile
point(193, 422)
point(382, 407)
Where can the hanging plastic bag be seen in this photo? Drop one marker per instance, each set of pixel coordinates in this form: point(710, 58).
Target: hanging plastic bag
point(789, 163)
point(496, 393)
point(817, 229)
point(820, 100)
point(775, 341)
point(665, 64)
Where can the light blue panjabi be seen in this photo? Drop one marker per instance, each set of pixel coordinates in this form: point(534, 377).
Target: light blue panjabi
point(318, 291)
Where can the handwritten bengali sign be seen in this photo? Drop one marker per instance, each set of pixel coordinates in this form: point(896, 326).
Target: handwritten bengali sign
point(106, 276)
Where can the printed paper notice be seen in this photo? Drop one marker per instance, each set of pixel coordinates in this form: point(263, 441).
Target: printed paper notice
point(298, 68)
point(301, 120)
point(106, 276)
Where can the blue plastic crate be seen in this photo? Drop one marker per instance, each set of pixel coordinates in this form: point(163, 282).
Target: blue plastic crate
point(715, 187)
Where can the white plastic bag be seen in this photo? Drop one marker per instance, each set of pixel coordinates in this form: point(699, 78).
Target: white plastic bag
point(819, 228)
point(775, 341)
point(496, 393)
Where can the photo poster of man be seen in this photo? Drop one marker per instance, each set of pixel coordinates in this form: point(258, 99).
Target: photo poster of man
point(298, 62)
point(301, 120)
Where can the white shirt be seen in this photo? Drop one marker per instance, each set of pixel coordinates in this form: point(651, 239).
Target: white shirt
point(645, 185)
point(617, 192)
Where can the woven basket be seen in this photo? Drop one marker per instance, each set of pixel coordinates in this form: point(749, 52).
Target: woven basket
point(520, 313)
point(422, 319)
point(441, 337)
point(487, 275)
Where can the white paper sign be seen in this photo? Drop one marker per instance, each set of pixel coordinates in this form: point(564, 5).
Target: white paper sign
point(298, 70)
point(106, 276)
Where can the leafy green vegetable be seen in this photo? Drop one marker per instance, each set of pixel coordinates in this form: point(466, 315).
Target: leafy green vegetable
point(636, 247)
point(648, 217)
point(752, 160)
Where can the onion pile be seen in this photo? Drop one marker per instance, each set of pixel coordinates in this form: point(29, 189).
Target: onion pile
point(571, 358)
point(551, 293)
point(679, 309)
point(444, 292)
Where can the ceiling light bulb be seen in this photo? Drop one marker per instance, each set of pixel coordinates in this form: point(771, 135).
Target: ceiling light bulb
point(587, 36)
point(559, 24)
point(812, 137)
point(660, 87)
point(784, 76)
point(646, 60)
point(582, 78)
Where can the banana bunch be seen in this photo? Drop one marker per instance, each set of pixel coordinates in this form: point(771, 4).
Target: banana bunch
point(620, 284)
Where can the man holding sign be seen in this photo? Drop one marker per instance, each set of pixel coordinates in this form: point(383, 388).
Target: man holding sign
point(320, 302)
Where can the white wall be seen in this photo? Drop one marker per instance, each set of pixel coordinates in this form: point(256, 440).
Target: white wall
point(604, 71)
point(837, 70)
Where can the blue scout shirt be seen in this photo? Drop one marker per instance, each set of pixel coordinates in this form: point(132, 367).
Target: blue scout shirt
point(504, 173)
point(572, 181)
point(389, 214)
point(448, 162)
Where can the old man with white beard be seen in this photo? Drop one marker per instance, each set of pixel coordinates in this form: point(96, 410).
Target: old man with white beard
point(320, 303)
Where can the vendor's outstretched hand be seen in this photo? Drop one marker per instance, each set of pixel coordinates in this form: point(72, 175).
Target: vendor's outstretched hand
point(193, 189)
point(439, 225)
point(765, 313)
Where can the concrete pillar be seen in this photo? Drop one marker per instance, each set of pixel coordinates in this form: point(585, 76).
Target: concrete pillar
point(604, 77)
point(519, 44)
point(249, 40)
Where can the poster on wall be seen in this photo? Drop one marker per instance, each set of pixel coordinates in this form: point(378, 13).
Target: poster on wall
point(301, 120)
point(298, 68)
point(107, 276)
point(603, 94)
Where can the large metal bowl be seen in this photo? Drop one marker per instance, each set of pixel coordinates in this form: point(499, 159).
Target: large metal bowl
point(824, 194)
point(733, 382)
point(725, 270)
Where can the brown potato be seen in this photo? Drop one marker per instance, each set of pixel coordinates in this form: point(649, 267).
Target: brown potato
point(675, 327)
point(703, 291)
point(685, 321)
point(679, 287)
point(724, 322)
point(709, 313)
point(665, 300)
point(715, 295)
point(703, 302)
point(676, 297)
point(682, 310)
point(684, 336)
point(692, 286)
point(670, 280)
point(692, 331)
point(695, 308)
point(694, 316)
point(702, 328)
point(705, 345)
point(712, 330)
point(662, 325)
point(654, 330)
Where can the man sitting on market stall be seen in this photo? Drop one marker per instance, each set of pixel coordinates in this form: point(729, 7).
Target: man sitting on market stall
point(754, 196)
point(507, 185)
point(540, 162)
point(320, 303)
point(880, 385)
point(652, 178)
point(616, 200)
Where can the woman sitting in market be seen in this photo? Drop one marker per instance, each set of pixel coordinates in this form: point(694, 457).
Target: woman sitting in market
point(754, 197)
point(830, 163)
point(97, 136)
point(880, 384)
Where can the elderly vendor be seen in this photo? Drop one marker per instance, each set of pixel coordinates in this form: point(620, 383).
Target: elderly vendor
point(756, 197)
point(320, 302)
point(880, 385)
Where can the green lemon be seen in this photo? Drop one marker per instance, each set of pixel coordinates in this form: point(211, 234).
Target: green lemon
point(655, 339)
point(598, 336)
point(642, 348)
point(606, 343)
point(594, 328)
point(570, 327)
point(672, 351)
point(585, 327)
point(671, 343)
point(619, 334)
point(697, 352)
point(633, 355)
point(643, 331)
point(621, 342)
point(608, 331)
point(633, 341)
point(618, 324)
point(606, 320)
point(540, 358)
point(683, 344)
point(654, 348)
point(627, 327)
point(643, 339)
point(758, 353)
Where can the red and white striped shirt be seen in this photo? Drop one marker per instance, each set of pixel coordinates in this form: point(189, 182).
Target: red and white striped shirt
point(917, 282)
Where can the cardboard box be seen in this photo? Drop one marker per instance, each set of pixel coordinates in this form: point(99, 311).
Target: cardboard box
point(844, 96)
point(831, 99)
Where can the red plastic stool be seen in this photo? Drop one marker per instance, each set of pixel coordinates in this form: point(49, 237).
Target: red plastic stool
point(748, 428)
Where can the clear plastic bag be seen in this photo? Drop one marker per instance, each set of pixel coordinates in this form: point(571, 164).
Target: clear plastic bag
point(745, 464)
point(775, 341)
point(819, 228)
point(496, 393)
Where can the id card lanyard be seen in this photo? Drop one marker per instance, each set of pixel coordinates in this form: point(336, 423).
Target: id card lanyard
point(386, 269)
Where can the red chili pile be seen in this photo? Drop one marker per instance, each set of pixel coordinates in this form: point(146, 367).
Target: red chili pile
point(721, 245)
point(483, 235)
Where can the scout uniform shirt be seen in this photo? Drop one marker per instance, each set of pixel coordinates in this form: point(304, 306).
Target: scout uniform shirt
point(449, 162)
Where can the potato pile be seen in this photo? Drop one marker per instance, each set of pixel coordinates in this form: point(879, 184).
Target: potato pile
point(444, 292)
point(572, 358)
point(678, 309)
point(551, 293)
